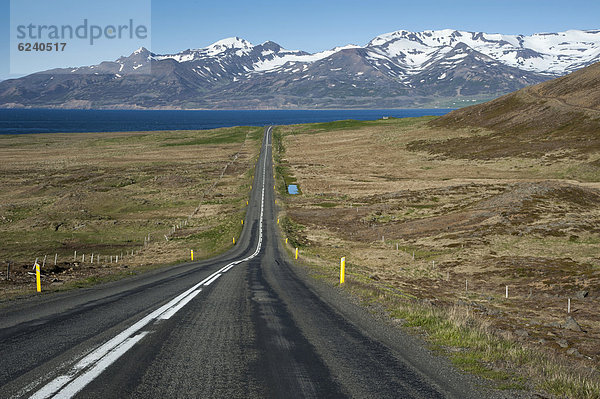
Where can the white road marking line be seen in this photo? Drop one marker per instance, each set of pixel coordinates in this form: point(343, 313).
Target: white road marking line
point(110, 351)
point(169, 313)
point(209, 282)
point(80, 382)
point(227, 268)
point(49, 389)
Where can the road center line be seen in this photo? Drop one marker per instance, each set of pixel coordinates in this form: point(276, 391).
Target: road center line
point(79, 383)
point(209, 282)
point(169, 313)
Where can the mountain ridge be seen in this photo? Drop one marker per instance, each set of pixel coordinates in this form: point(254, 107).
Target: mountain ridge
point(397, 69)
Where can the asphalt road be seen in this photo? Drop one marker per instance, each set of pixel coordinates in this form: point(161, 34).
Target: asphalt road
point(247, 324)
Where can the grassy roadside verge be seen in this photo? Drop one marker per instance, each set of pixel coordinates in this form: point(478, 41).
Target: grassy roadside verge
point(466, 339)
point(454, 329)
point(146, 197)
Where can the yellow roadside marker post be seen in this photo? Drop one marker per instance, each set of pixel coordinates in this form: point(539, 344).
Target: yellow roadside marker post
point(233, 240)
point(192, 254)
point(38, 278)
point(343, 270)
point(286, 240)
point(277, 220)
point(242, 222)
point(296, 252)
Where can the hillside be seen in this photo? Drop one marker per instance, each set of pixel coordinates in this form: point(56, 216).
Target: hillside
point(561, 116)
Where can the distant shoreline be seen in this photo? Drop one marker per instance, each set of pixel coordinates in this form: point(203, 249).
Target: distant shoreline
point(41, 120)
point(2, 107)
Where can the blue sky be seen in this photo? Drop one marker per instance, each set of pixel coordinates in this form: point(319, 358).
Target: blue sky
point(318, 25)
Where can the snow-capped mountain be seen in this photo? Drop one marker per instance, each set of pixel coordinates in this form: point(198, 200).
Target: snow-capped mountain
point(544, 53)
point(393, 70)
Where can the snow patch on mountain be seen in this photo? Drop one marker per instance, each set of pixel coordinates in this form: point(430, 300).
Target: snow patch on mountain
point(286, 56)
point(228, 44)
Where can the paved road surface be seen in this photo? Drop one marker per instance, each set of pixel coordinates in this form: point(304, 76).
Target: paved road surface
point(247, 324)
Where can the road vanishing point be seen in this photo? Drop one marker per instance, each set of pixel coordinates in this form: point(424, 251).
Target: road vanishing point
point(246, 324)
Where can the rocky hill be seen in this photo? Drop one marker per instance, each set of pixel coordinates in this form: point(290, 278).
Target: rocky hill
point(560, 117)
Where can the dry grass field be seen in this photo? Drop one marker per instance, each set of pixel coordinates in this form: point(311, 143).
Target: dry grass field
point(438, 237)
point(106, 193)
